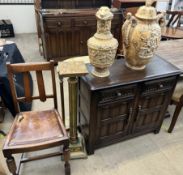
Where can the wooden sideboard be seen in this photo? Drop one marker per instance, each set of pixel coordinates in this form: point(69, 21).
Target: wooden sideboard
point(126, 104)
point(64, 26)
point(65, 35)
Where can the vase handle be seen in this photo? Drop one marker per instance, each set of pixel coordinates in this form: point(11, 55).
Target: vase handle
point(127, 26)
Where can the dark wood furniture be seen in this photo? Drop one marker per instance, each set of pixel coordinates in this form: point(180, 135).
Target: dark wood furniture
point(2, 114)
point(2, 110)
point(34, 130)
point(74, 4)
point(65, 35)
point(129, 5)
point(125, 104)
point(177, 99)
point(171, 33)
point(64, 26)
point(175, 57)
point(174, 18)
point(172, 29)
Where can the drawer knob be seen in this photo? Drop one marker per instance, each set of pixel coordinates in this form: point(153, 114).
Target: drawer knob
point(81, 42)
point(119, 94)
point(59, 23)
point(161, 85)
point(85, 22)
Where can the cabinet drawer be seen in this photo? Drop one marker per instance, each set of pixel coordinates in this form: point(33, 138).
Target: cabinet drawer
point(83, 22)
point(57, 22)
point(158, 85)
point(117, 93)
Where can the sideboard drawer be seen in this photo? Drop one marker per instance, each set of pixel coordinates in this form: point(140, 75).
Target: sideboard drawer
point(57, 23)
point(158, 85)
point(117, 93)
point(84, 22)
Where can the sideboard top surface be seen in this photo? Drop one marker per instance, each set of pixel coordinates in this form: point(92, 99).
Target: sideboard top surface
point(121, 75)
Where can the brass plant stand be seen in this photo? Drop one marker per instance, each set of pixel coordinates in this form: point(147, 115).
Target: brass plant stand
point(73, 69)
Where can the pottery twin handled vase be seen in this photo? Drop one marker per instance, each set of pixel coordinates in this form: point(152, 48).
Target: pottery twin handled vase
point(141, 36)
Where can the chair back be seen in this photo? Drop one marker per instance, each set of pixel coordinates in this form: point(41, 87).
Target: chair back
point(25, 69)
point(130, 5)
point(174, 18)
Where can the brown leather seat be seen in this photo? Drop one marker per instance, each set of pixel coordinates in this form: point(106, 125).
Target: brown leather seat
point(177, 99)
point(35, 130)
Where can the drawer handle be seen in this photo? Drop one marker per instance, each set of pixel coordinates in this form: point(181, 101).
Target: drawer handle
point(59, 23)
point(161, 85)
point(119, 94)
point(85, 22)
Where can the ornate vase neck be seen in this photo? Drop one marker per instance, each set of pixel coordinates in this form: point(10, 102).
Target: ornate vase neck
point(104, 17)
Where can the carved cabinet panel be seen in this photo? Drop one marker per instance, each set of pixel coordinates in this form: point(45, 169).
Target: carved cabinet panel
point(153, 97)
point(125, 104)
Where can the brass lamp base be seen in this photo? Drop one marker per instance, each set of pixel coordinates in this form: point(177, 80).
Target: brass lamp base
point(77, 150)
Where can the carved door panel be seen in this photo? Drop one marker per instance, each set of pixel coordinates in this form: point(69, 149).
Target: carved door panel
point(150, 111)
point(57, 44)
point(113, 120)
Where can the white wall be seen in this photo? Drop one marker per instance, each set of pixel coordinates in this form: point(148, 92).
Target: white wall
point(21, 16)
point(162, 5)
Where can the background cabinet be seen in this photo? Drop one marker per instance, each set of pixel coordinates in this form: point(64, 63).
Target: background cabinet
point(64, 26)
point(73, 4)
point(125, 104)
point(66, 35)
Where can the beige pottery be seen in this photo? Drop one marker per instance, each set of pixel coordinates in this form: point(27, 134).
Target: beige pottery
point(102, 46)
point(141, 36)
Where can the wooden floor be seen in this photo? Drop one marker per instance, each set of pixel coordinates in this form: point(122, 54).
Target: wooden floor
point(160, 154)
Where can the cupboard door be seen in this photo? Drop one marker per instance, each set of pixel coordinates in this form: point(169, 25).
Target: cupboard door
point(150, 112)
point(153, 100)
point(113, 120)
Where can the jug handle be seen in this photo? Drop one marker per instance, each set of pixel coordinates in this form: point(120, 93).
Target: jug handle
point(130, 23)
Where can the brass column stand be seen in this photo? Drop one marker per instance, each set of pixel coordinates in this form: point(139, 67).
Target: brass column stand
point(73, 69)
point(72, 82)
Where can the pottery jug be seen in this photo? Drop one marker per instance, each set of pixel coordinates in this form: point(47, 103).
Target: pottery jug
point(141, 36)
point(102, 46)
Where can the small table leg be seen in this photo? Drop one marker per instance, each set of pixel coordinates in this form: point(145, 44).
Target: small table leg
point(62, 98)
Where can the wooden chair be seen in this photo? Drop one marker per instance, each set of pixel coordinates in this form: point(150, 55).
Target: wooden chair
point(177, 99)
point(174, 18)
point(173, 28)
point(129, 5)
point(35, 130)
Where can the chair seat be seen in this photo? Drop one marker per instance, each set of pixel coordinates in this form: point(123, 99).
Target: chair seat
point(178, 92)
point(36, 128)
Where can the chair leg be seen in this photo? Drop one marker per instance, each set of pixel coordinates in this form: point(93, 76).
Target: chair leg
point(11, 165)
point(174, 118)
point(66, 155)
